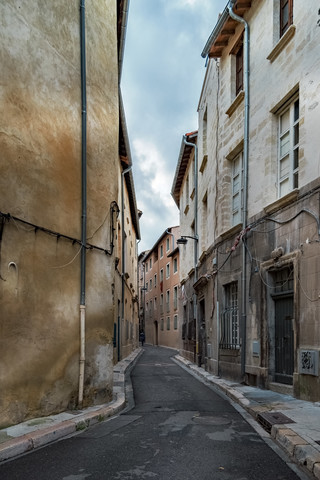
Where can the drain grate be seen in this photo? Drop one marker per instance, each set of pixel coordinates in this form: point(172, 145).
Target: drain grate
point(268, 419)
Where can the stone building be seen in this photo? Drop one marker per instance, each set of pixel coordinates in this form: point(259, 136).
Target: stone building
point(159, 282)
point(258, 189)
point(68, 221)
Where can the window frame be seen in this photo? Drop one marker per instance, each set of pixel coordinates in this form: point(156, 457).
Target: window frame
point(236, 213)
point(292, 177)
point(175, 265)
point(285, 20)
point(230, 324)
point(168, 270)
point(239, 68)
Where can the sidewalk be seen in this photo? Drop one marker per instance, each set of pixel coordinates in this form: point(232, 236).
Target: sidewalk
point(35, 433)
point(293, 424)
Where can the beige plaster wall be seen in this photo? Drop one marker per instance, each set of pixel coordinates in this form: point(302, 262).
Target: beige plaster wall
point(40, 182)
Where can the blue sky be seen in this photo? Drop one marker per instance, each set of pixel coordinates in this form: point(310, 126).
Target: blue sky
point(161, 84)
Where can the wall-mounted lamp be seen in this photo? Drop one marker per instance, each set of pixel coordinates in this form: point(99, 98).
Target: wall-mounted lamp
point(183, 240)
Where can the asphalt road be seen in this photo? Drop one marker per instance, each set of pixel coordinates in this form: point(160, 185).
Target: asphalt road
point(177, 428)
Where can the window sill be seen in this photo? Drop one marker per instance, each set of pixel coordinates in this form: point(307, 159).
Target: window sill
point(284, 40)
point(282, 202)
point(236, 102)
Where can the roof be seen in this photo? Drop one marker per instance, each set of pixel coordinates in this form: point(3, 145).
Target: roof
point(126, 162)
point(167, 232)
point(224, 29)
point(183, 161)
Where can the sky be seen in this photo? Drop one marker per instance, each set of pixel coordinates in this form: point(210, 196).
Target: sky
point(161, 83)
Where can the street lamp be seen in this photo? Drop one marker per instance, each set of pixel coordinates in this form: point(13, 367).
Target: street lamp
point(183, 240)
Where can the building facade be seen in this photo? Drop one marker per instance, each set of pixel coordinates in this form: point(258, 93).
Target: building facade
point(68, 219)
point(159, 274)
point(258, 187)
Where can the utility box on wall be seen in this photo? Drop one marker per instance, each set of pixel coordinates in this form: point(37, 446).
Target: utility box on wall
point(309, 362)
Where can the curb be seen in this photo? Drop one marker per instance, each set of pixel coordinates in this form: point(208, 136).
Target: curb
point(44, 436)
point(304, 454)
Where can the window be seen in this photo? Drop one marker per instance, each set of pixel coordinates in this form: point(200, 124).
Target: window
point(204, 222)
point(161, 275)
point(155, 303)
point(162, 324)
point(161, 251)
point(161, 303)
point(168, 270)
point(155, 280)
point(168, 300)
point(150, 284)
point(175, 265)
point(147, 286)
point(288, 165)
point(150, 263)
point(168, 323)
point(168, 244)
point(237, 170)
point(147, 267)
point(239, 69)
point(204, 132)
point(175, 322)
point(175, 298)
point(230, 318)
point(286, 15)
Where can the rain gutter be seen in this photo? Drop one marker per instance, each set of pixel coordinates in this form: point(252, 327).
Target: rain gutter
point(245, 181)
point(83, 200)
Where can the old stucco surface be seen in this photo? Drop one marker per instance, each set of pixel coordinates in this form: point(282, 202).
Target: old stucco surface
point(40, 182)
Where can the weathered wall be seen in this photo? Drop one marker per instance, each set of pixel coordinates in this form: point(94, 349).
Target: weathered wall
point(40, 177)
point(220, 137)
point(156, 328)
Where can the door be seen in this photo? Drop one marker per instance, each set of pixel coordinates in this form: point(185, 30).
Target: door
point(284, 354)
point(156, 338)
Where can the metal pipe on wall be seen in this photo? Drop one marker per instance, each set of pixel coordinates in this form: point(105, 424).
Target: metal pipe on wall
point(195, 303)
point(123, 258)
point(83, 199)
point(245, 180)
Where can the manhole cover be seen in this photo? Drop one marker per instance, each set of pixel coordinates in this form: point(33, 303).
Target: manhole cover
point(268, 419)
point(211, 420)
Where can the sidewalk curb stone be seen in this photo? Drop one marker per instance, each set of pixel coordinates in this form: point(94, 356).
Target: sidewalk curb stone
point(43, 436)
point(303, 453)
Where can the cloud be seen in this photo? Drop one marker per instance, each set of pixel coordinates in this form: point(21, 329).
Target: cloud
point(153, 181)
point(161, 84)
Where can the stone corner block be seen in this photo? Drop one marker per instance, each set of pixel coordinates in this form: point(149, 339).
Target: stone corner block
point(307, 455)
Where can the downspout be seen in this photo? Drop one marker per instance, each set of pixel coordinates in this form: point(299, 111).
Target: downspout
point(245, 181)
point(195, 305)
point(169, 233)
point(83, 200)
point(122, 258)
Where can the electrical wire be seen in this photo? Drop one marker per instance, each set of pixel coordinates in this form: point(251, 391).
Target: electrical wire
point(69, 263)
point(305, 294)
point(35, 228)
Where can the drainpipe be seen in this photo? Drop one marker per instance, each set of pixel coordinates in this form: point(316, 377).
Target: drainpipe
point(84, 200)
point(245, 181)
point(123, 258)
point(195, 306)
point(169, 233)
